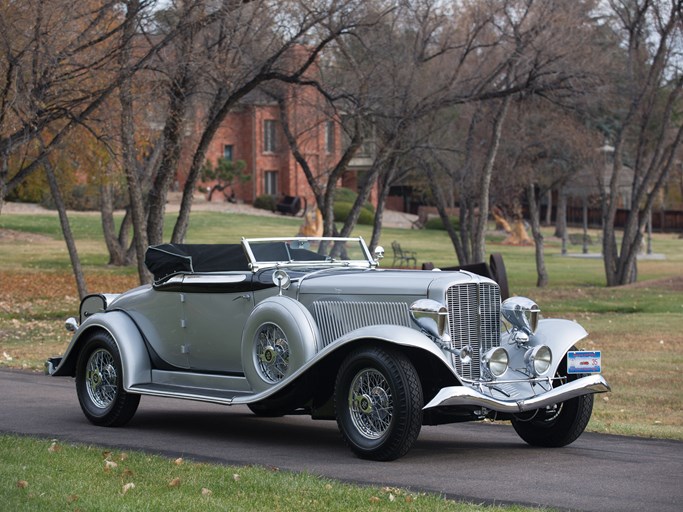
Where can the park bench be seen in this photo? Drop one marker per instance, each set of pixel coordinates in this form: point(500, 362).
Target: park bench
point(402, 256)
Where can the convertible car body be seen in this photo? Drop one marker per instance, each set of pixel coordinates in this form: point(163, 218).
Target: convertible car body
point(314, 326)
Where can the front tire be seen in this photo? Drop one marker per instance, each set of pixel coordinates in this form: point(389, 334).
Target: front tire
point(99, 383)
point(560, 426)
point(378, 403)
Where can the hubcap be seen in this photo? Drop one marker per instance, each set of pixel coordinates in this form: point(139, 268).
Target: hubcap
point(272, 353)
point(370, 403)
point(101, 379)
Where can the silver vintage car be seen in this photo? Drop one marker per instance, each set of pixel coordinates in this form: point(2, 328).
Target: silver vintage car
point(314, 326)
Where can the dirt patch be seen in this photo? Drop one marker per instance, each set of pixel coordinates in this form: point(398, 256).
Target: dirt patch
point(668, 283)
point(11, 235)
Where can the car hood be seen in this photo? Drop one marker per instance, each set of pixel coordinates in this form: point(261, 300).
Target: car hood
point(385, 282)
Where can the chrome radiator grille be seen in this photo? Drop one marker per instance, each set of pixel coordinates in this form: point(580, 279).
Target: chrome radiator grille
point(336, 318)
point(474, 316)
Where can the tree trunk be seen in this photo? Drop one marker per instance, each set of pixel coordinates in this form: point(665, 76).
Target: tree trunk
point(479, 246)
point(534, 213)
point(561, 219)
point(66, 230)
point(128, 147)
point(117, 252)
point(381, 204)
point(443, 214)
point(171, 136)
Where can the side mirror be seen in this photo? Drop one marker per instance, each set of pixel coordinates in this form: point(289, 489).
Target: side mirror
point(281, 280)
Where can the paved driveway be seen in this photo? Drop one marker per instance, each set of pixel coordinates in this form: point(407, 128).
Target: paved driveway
point(478, 462)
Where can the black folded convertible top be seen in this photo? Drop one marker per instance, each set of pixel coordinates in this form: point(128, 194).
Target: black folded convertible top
point(167, 259)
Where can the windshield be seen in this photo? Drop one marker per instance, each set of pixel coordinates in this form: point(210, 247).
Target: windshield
point(265, 252)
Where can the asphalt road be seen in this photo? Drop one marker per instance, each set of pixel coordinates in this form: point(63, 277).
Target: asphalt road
point(473, 462)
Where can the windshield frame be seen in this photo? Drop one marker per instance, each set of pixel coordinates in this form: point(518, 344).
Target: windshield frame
point(255, 264)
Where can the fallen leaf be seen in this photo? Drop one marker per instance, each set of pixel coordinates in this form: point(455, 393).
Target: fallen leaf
point(391, 497)
point(123, 456)
point(22, 484)
point(54, 447)
point(106, 454)
point(409, 499)
point(128, 487)
point(174, 483)
point(127, 472)
point(6, 356)
point(178, 461)
point(374, 499)
point(328, 487)
point(72, 498)
point(110, 464)
point(206, 492)
point(236, 477)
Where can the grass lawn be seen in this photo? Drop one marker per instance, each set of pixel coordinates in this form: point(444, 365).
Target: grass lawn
point(637, 327)
point(49, 476)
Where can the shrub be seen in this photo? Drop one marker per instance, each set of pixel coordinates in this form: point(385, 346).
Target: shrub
point(265, 202)
point(435, 223)
point(342, 210)
point(344, 195)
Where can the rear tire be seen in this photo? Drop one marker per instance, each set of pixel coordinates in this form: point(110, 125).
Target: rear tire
point(99, 383)
point(378, 403)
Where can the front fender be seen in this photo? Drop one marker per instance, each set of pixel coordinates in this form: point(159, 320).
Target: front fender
point(394, 334)
point(559, 335)
point(134, 356)
point(391, 334)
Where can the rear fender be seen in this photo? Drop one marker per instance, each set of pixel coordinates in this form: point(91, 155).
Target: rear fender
point(134, 356)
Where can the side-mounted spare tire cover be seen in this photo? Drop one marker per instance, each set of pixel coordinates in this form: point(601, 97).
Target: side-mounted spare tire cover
point(278, 338)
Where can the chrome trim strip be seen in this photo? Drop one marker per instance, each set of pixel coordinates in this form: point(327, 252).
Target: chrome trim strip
point(464, 395)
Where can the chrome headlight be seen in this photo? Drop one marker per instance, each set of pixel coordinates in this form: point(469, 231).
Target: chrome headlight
point(430, 315)
point(495, 362)
point(538, 359)
point(522, 313)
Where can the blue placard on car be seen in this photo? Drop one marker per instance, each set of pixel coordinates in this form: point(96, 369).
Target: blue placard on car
point(581, 361)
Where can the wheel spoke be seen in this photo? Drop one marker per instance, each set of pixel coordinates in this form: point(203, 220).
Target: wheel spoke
point(101, 378)
point(370, 403)
point(272, 353)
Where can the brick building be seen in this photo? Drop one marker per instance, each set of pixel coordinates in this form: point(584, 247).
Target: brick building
point(252, 133)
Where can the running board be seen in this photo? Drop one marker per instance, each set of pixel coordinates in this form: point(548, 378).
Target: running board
point(215, 396)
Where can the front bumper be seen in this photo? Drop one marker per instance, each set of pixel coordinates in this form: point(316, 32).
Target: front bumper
point(455, 396)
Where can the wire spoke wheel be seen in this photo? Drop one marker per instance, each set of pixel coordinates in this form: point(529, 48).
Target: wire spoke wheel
point(99, 383)
point(272, 353)
point(378, 402)
point(370, 403)
point(101, 379)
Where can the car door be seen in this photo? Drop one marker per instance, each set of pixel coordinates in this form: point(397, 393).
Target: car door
point(215, 309)
point(158, 314)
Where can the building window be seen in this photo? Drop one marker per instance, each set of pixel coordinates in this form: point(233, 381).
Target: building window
point(269, 136)
point(227, 152)
point(270, 183)
point(329, 137)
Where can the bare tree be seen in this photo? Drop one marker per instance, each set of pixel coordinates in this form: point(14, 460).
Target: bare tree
point(521, 49)
point(58, 67)
point(645, 105)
